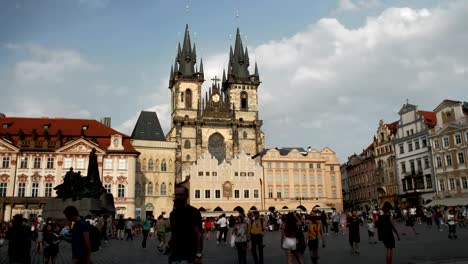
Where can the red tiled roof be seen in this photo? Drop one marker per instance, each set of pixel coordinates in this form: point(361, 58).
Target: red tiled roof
point(393, 127)
point(70, 129)
point(429, 117)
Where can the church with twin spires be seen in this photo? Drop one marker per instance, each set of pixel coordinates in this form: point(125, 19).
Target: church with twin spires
point(224, 121)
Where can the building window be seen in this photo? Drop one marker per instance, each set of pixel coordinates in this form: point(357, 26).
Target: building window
point(197, 194)
point(138, 165)
point(464, 183)
point(236, 194)
point(278, 178)
point(426, 162)
point(207, 194)
point(318, 166)
point(218, 194)
point(311, 165)
point(296, 178)
point(448, 159)
point(333, 179)
point(21, 189)
point(108, 187)
point(270, 178)
point(402, 150)
point(278, 194)
point(24, 163)
point(50, 163)
point(6, 162)
point(303, 165)
point(278, 165)
point(162, 192)
point(320, 192)
point(256, 194)
point(446, 142)
point(436, 144)
point(319, 179)
point(424, 142)
point(458, 139)
point(461, 158)
point(150, 189)
point(150, 165)
point(107, 164)
point(286, 192)
point(334, 194)
point(163, 165)
point(442, 185)
point(34, 189)
point(416, 144)
point(410, 146)
point(312, 179)
point(332, 168)
point(452, 183)
point(48, 189)
point(304, 179)
point(3, 189)
point(188, 98)
point(200, 173)
point(286, 178)
point(122, 164)
point(246, 194)
point(37, 163)
point(244, 100)
point(403, 167)
point(269, 165)
point(304, 193)
point(296, 166)
point(312, 192)
point(187, 144)
point(439, 162)
point(428, 182)
point(80, 164)
point(270, 192)
point(121, 191)
point(244, 135)
point(285, 165)
point(296, 192)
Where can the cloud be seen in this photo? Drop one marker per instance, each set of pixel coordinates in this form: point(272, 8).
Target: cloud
point(48, 65)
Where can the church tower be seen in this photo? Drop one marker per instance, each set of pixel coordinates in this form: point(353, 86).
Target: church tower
point(225, 121)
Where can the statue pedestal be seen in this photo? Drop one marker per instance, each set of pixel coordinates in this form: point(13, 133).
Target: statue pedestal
point(86, 206)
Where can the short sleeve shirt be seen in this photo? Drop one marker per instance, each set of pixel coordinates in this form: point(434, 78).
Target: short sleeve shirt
point(78, 243)
point(184, 239)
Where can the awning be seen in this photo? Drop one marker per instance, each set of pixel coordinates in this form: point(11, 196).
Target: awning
point(449, 202)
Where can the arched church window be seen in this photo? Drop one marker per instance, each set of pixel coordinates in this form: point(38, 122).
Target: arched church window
point(216, 147)
point(150, 165)
point(188, 98)
point(244, 100)
point(244, 135)
point(163, 166)
point(187, 157)
point(150, 188)
point(187, 144)
point(163, 189)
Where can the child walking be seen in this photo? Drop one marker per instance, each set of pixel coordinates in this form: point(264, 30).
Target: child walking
point(371, 231)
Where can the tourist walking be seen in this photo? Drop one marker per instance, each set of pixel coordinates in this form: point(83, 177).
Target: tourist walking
point(256, 229)
point(129, 229)
point(451, 221)
point(241, 237)
point(289, 238)
point(161, 231)
point(19, 241)
point(146, 228)
point(353, 229)
point(51, 242)
point(371, 231)
point(120, 228)
point(223, 228)
point(324, 219)
point(81, 245)
point(314, 235)
point(386, 228)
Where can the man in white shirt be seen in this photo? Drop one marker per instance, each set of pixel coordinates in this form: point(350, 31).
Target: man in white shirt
point(222, 223)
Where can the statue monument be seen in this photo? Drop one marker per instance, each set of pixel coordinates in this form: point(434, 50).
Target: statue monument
point(85, 193)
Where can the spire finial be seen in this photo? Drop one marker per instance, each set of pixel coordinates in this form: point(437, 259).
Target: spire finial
point(201, 65)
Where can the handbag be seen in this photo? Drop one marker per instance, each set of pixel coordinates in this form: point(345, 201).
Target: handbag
point(289, 243)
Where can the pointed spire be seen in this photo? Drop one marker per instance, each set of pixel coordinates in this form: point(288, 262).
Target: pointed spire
point(239, 60)
point(194, 53)
point(256, 70)
point(224, 76)
point(179, 51)
point(187, 45)
point(246, 56)
point(172, 73)
point(201, 66)
point(176, 69)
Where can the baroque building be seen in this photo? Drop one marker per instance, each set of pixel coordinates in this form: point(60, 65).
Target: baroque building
point(37, 152)
point(297, 178)
point(385, 163)
point(449, 141)
point(155, 169)
point(225, 121)
point(229, 186)
point(413, 162)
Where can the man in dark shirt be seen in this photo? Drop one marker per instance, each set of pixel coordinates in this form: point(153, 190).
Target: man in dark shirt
point(81, 245)
point(19, 245)
point(186, 242)
point(354, 238)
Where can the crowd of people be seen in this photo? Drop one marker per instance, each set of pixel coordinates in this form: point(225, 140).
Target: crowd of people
point(181, 236)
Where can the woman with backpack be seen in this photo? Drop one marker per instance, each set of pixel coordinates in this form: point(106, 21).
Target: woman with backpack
point(314, 235)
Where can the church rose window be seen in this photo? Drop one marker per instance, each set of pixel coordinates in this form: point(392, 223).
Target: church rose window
point(216, 146)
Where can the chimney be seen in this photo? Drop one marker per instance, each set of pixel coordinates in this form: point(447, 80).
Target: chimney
point(106, 121)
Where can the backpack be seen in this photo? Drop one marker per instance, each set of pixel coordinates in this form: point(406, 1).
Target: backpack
point(94, 238)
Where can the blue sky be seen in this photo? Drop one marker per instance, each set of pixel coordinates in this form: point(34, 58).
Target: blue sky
point(330, 69)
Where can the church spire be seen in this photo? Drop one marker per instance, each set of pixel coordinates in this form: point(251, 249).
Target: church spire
point(239, 61)
point(201, 66)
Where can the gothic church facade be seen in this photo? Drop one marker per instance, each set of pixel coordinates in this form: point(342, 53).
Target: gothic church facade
point(224, 121)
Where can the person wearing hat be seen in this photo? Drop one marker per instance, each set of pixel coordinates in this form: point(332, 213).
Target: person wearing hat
point(19, 245)
point(314, 235)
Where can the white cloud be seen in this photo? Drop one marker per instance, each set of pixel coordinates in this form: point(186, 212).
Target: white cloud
point(48, 65)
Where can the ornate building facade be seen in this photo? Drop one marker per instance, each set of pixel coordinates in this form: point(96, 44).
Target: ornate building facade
point(224, 122)
point(297, 178)
point(37, 152)
point(229, 186)
point(385, 163)
point(362, 183)
point(449, 141)
point(155, 170)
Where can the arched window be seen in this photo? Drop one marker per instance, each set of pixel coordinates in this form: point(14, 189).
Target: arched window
point(187, 157)
point(163, 189)
point(188, 98)
point(182, 97)
point(150, 188)
point(244, 100)
point(187, 144)
point(216, 146)
point(163, 166)
point(150, 165)
point(244, 134)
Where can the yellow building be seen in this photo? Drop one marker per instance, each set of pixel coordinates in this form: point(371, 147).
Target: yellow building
point(298, 178)
point(155, 170)
point(229, 186)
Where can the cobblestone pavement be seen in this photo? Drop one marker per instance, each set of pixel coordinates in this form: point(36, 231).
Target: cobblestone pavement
point(429, 247)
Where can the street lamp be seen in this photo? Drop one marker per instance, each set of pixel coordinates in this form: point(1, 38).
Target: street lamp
point(261, 194)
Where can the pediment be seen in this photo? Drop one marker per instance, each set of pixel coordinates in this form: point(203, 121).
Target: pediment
point(4, 177)
point(80, 145)
point(36, 177)
point(6, 146)
point(327, 150)
point(448, 128)
point(49, 178)
point(22, 178)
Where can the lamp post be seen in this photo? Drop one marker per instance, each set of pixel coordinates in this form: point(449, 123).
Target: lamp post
point(261, 194)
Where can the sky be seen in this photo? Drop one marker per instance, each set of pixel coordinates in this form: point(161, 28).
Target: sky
point(330, 70)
